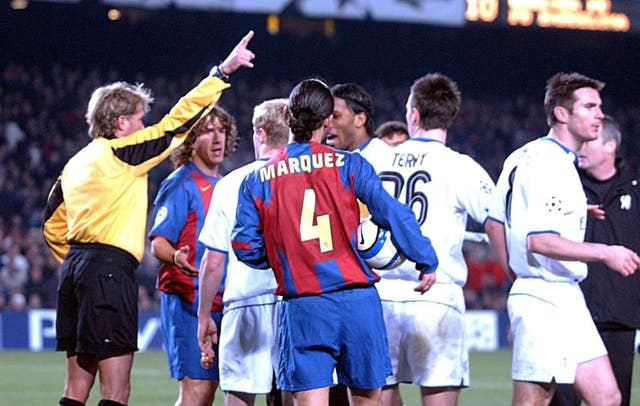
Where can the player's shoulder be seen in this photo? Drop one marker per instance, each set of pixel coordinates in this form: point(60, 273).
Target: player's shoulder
point(177, 176)
point(373, 147)
point(172, 183)
point(532, 150)
point(458, 158)
point(93, 151)
point(236, 176)
point(375, 143)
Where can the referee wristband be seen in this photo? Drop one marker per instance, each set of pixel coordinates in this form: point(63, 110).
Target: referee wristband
point(216, 72)
point(175, 257)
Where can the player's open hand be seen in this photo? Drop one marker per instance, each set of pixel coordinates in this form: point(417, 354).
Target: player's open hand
point(622, 260)
point(427, 280)
point(239, 56)
point(207, 335)
point(181, 259)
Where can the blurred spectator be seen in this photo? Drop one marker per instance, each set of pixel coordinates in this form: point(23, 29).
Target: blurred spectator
point(144, 300)
point(487, 286)
point(34, 301)
point(17, 302)
point(42, 284)
point(15, 269)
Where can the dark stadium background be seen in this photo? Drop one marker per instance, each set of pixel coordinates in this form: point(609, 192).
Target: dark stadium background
point(486, 60)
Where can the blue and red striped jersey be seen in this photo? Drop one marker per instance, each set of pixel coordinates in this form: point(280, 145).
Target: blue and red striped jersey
point(299, 215)
point(180, 208)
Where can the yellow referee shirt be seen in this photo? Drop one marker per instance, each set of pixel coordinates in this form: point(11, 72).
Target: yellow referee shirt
point(101, 196)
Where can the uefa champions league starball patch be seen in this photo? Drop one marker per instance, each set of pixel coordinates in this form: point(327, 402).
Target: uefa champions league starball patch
point(554, 204)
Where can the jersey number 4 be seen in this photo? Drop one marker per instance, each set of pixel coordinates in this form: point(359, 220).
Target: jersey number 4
point(320, 229)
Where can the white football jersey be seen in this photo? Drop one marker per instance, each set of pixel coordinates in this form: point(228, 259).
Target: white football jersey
point(539, 191)
point(243, 285)
point(442, 187)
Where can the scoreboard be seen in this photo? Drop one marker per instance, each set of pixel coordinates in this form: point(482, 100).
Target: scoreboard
point(595, 15)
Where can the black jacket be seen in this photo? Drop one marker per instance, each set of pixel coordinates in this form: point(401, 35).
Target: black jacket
point(614, 300)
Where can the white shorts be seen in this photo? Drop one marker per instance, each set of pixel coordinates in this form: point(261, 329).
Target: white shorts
point(552, 331)
point(248, 348)
point(427, 342)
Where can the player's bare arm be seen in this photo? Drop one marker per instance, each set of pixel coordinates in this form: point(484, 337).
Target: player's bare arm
point(496, 233)
point(618, 258)
point(165, 252)
point(211, 270)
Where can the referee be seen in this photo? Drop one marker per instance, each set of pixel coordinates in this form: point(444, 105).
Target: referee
point(95, 224)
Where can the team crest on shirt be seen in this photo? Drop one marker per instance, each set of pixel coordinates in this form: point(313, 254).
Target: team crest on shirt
point(161, 215)
point(554, 204)
point(625, 202)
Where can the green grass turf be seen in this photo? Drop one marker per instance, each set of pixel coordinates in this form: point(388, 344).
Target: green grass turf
point(35, 379)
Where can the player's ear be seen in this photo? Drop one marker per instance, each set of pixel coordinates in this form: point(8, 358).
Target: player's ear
point(561, 114)
point(414, 116)
point(360, 119)
point(120, 122)
point(262, 135)
point(610, 147)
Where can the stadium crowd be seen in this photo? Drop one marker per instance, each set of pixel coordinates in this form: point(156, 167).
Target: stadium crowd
point(42, 124)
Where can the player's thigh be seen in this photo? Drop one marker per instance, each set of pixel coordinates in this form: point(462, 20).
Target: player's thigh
point(247, 341)
point(363, 361)
point(542, 341)
point(532, 393)
point(107, 295)
point(197, 391)
point(180, 325)
point(308, 342)
point(595, 381)
point(426, 344)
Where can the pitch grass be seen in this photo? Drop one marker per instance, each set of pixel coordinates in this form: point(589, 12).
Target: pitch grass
point(36, 379)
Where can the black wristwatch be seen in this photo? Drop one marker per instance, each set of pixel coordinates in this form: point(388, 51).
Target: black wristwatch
point(215, 71)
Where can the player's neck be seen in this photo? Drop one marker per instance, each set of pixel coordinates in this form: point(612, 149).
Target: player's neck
point(565, 138)
point(209, 170)
point(267, 152)
point(437, 134)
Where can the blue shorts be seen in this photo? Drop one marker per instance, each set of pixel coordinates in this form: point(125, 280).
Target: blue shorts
point(179, 321)
point(342, 330)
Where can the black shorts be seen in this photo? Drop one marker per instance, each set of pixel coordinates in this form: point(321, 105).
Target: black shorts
point(97, 309)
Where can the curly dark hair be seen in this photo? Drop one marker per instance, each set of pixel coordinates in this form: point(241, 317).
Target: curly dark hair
point(310, 103)
point(182, 154)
